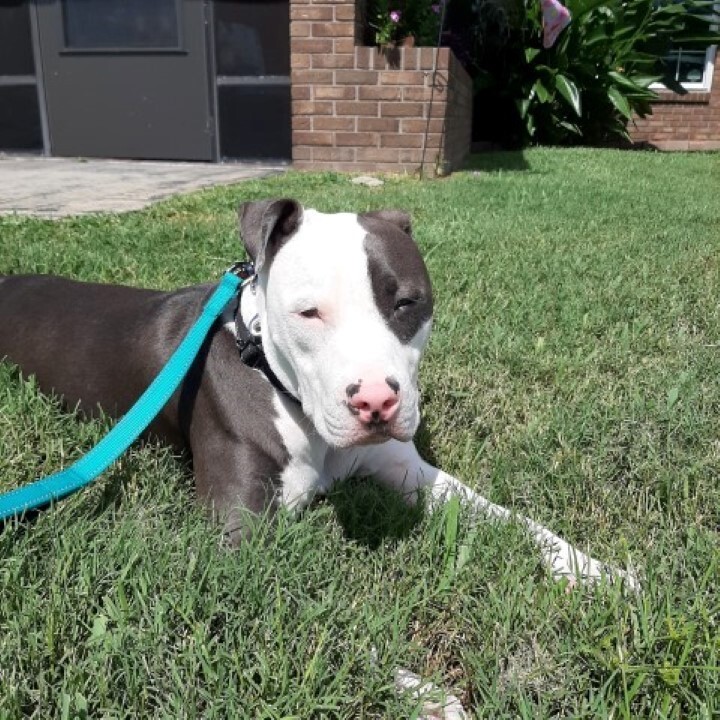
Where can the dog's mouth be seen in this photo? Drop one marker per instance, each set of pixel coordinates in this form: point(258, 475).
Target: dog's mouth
point(374, 433)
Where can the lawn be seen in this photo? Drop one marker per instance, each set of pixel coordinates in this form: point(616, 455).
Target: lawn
point(573, 375)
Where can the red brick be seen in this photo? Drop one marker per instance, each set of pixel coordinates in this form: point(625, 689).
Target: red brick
point(375, 92)
point(438, 109)
point(415, 155)
point(330, 166)
point(443, 58)
point(438, 80)
point(345, 12)
point(308, 107)
point(346, 124)
point(364, 58)
point(427, 58)
point(302, 153)
point(670, 144)
point(401, 141)
point(434, 140)
point(302, 122)
point(707, 144)
point(334, 92)
point(401, 109)
point(388, 59)
point(371, 124)
point(345, 45)
point(402, 77)
point(311, 77)
point(415, 94)
point(340, 154)
point(300, 92)
point(312, 138)
point(367, 109)
point(313, 45)
point(356, 77)
point(332, 30)
point(411, 125)
point(411, 59)
point(356, 139)
point(410, 155)
point(378, 154)
point(311, 13)
point(299, 61)
point(333, 61)
point(299, 29)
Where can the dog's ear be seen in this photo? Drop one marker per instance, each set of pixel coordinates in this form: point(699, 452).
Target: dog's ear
point(265, 225)
point(397, 217)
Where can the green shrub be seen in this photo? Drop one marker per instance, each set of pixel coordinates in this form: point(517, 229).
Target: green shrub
point(393, 20)
point(588, 85)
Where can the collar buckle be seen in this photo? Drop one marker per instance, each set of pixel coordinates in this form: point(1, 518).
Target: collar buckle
point(245, 270)
point(249, 341)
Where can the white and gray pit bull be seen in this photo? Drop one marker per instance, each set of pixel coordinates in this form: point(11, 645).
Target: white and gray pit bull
point(345, 306)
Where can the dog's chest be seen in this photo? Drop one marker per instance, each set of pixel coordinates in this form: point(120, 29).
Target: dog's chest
point(302, 477)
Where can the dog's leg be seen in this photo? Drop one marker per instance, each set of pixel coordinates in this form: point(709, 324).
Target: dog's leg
point(399, 466)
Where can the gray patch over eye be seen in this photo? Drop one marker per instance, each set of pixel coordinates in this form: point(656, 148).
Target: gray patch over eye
point(398, 276)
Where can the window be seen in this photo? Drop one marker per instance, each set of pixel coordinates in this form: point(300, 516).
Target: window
point(692, 68)
point(20, 124)
point(121, 24)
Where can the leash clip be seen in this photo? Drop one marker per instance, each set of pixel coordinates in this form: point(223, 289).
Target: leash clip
point(245, 270)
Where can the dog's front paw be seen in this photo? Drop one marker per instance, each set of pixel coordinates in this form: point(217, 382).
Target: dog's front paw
point(567, 562)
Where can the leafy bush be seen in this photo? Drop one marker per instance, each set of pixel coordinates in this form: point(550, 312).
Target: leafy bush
point(393, 20)
point(588, 85)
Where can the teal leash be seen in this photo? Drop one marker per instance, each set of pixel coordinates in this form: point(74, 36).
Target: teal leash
point(134, 422)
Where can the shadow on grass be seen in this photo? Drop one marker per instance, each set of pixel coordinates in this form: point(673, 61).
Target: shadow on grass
point(371, 514)
point(498, 161)
point(423, 443)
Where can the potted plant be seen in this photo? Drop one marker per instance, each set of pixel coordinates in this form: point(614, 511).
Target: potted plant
point(405, 22)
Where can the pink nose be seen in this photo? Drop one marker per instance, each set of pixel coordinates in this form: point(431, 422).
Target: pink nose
point(374, 402)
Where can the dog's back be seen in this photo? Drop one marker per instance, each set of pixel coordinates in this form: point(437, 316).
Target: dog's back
point(81, 340)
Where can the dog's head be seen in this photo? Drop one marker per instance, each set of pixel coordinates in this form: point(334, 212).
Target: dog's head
point(346, 306)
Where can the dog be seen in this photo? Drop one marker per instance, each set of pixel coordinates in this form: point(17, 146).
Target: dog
point(334, 322)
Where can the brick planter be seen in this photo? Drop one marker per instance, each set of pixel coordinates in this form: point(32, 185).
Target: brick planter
point(359, 109)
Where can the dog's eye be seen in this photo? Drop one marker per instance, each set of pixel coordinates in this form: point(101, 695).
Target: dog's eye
point(403, 303)
point(310, 313)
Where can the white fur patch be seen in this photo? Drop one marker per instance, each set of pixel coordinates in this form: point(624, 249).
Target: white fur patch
point(301, 479)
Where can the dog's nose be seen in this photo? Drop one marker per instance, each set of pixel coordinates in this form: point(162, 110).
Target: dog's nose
point(374, 402)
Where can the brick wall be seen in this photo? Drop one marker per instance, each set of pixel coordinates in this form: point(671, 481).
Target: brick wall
point(683, 122)
point(359, 109)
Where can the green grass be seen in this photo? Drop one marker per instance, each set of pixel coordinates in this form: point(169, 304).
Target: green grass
point(573, 374)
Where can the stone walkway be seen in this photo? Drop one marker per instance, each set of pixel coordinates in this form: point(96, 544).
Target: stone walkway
point(55, 187)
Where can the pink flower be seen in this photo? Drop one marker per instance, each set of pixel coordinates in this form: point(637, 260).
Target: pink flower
point(435, 8)
point(395, 16)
